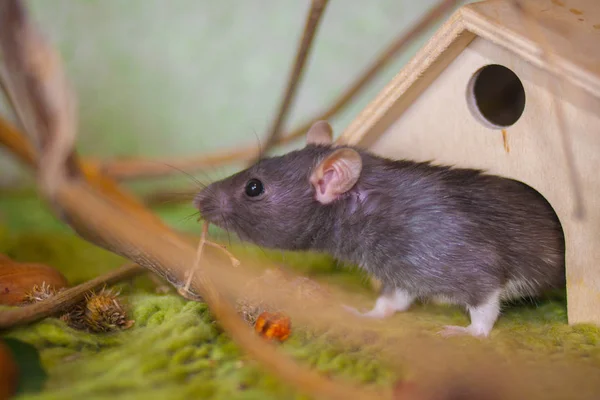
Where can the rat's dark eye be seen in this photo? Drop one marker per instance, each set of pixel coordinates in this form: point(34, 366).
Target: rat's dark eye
point(254, 188)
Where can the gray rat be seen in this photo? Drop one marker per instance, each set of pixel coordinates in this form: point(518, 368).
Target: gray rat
point(455, 235)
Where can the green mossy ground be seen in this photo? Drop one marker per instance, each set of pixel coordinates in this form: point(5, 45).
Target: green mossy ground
point(176, 350)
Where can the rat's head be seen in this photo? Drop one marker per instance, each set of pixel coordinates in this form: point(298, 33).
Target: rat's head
point(275, 202)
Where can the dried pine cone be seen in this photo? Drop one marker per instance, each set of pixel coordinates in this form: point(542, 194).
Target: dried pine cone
point(99, 312)
point(40, 293)
point(75, 318)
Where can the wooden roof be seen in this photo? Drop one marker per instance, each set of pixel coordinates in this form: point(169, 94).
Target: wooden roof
point(559, 36)
point(568, 28)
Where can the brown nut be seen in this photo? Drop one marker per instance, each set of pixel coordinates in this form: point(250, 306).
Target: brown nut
point(17, 279)
point(9, 373)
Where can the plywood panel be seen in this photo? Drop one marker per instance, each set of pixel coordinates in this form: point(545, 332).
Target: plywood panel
point(438, 125)
point(570, 28)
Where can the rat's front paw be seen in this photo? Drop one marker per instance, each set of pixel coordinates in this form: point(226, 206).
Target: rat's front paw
point(453, 330)
point(351, 310)
point(374, 313)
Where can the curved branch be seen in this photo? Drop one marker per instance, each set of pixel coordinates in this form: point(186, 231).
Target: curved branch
point(134, 168)
point(65, 298)
point(313, 19)
point(39, 96)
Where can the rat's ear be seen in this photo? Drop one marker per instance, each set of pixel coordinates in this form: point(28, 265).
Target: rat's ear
point(320, 133)
point(336, 174)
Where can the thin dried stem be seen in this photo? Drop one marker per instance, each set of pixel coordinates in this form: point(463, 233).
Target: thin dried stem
point(234, 261)
point(33, 66)
point(134, 168)
point(196, 267)
point(315, 13)
point(533, 24)
point(171, 257)
point(66, 298)
point(101, 220)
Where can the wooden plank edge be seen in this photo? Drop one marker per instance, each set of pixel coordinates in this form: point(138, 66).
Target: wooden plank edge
point(416, 75)
point(528, 50)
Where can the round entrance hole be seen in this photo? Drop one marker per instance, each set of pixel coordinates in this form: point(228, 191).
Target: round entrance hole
point(496, 96)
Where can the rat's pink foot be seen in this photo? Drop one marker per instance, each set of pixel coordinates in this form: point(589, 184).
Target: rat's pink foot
point(452, 330)
point(386, 305)
point(351, 310)
point(483, 318)
point(374, 313)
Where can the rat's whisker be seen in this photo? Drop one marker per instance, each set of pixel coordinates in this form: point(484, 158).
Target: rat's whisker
point(260, 148)
point(189, 217)
point(237, 218)
point(172, 196)
point(227, 230)
point(206, 175)
point(240, 228)
point(263, 251)
point(241, 219)
point(163, 198)
point(195, 180)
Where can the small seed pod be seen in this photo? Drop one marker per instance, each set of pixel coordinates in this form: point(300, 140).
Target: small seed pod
point(40, 293)
point(18, 280)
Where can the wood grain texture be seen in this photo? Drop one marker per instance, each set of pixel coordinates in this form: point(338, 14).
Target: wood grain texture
point(570, 26)
point(437, 53)
point(424, 114)
point(575, 47)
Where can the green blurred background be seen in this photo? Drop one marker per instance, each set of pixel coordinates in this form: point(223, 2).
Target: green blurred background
point(169, 77)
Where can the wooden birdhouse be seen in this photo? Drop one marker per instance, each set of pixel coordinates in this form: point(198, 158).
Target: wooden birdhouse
point(512, 88)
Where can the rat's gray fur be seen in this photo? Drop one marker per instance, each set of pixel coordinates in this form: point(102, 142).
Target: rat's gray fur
point(432, 231)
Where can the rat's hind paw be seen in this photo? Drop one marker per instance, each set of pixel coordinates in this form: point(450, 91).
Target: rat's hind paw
point(351, 310)
point(374, 313)
point(386, 305)
point(483, 318)
point(453, 330)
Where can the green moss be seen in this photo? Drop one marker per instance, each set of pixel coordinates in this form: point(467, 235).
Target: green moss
point(176, 350)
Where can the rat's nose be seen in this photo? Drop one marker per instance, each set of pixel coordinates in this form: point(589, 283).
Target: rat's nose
point(212, 205)
point(200, 199)
point(224, 203)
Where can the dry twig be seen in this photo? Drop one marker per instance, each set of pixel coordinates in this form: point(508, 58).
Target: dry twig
point(132, 168)
point(317, 8)
point(107, 223)
point(31, 57)
point(196, 268)
point(64, 299)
